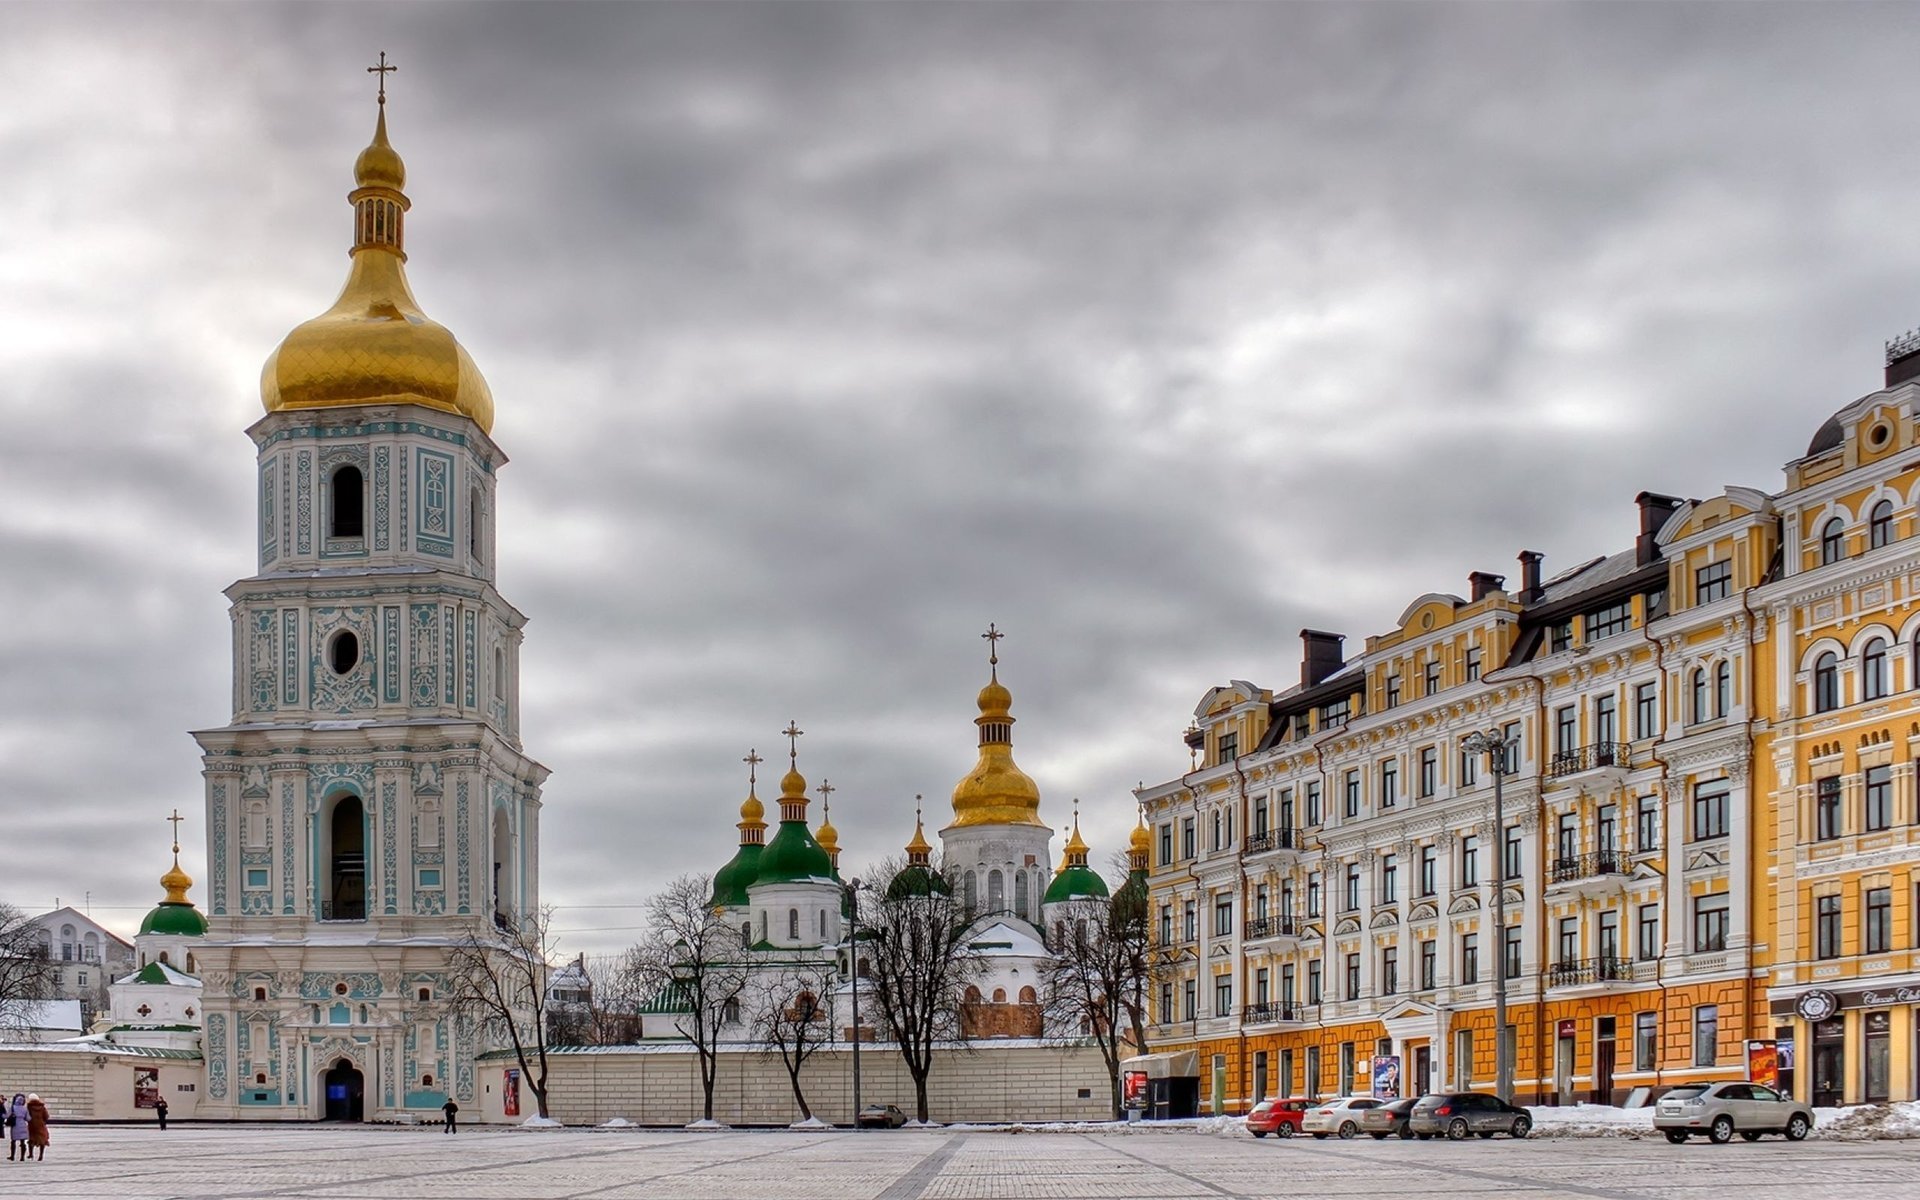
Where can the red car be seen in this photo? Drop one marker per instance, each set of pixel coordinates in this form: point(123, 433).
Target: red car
point(1280, 1117)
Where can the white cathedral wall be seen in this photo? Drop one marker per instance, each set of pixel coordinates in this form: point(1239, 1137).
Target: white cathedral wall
point(1019, 853)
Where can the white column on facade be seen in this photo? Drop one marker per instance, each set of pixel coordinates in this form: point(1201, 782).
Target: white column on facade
point(1740, 856)
point(1673, 849)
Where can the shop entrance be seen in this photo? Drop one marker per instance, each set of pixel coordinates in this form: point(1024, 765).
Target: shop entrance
point(345, 1092)
point(1829, 1062)
point(1422, 1069)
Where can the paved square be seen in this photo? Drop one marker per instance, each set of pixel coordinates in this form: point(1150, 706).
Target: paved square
point(377, 1163)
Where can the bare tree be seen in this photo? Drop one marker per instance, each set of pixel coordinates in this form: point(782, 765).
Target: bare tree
point(1096, 980)
point(594, 1001)
point(28, 974)
point(497, 979)
point(790, 1018)
point(696, 960)
point(919, 964)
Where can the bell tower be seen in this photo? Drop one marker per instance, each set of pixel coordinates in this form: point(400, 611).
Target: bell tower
point(368, 804)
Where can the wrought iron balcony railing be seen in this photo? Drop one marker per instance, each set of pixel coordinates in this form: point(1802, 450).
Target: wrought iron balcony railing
point(1264, 1014)
point(1274, 839)
point(1590, 866)
point(1588, 970)
point(1590, 758)
point(1266, 927)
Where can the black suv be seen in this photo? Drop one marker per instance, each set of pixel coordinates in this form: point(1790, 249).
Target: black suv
point(1458, 1114)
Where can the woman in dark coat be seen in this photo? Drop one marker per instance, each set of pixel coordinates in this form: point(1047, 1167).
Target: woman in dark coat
point(37, 1124)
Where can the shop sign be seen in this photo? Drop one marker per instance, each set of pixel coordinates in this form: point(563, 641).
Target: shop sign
point(1816, 1005)
point(1566, 1029)
point(1899, 995)
point(1763, 1063)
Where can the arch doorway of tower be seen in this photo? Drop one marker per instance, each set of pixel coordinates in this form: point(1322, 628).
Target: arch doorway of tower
point(345, 1091)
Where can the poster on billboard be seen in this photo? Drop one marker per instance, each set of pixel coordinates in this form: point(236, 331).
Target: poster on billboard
point(146, 1087)
point(1386, 1076)
point(510, 1093)
point(1763, 1062)
point(1133, 1089)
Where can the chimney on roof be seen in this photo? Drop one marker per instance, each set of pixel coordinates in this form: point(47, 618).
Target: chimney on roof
point(1320, 656)
point(1485, 582)
point(1654, 511)
point(1903, 358)
point(1530, 589)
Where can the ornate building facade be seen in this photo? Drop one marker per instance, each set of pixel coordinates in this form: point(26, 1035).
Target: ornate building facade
point(1708, 814)
point(368, 804)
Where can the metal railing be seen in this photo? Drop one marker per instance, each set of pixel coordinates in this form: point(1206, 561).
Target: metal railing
point(338, 910)
point(1589, 866)
point(1274, 839)
point(1590, 758)
point(1266, 927)
point(1263, 1014)
point(1588, 970)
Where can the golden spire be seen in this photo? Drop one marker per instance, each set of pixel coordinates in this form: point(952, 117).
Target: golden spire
point(997, 792)
point(753, 825)
point(1076, 848)
point(828, 837)
point(918, 849)
point(375, 346)
point(793, 785)
point(176, 881)
point(1140, 843)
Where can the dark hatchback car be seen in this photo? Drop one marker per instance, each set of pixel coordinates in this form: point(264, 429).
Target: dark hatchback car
point(1389, 1120)
point(1458, 1114)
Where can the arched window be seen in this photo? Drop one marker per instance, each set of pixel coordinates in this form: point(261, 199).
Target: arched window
point(1020, 894)
point(474, 514)
point(504, 893)
point(255, 832)
point(996, 891)
point(1722, 688)
point(1880, 525)
point(746, 933)
point(973, 995)
point(1873, 670)
point(1826, 682)
point(805, 1006)
point(793, 924)
point(1700, 710)
point(347, 861)
point(730, 1012)
point(971, 891)
point(999, 995)
point(346, 504)
point(823, 924)
point(499, 673)
point(1832, 547)
point(1028, 995)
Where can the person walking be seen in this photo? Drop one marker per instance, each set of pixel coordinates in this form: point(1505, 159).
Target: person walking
point(450, 1108)
point(16, 1122)
point(37, 1135)
point(160, 1112)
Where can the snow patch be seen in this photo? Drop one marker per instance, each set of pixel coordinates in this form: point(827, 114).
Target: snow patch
point(539, 1122)
point(705, 1125)
point(1868, 1122)
point(617, 1123)
point(811, 1123)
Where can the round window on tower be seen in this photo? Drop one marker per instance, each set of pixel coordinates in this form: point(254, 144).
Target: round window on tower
point(343, 653)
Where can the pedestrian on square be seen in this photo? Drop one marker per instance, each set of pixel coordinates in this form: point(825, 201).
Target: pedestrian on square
point(16, 1122)
point(450, 1108)
point(160, 1112)
point(37, 1135)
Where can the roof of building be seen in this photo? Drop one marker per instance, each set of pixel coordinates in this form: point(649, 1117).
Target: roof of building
point(157, 972)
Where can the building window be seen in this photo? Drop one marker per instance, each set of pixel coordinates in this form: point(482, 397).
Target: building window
point(1609, 935)
point(1389, 783)
point(1722, 688)
point(1567, 837)
point(1611, 621)
point(1647, 933)
point(1701, 709)
point(1433, 678)
point(1351, 807)
point(1510, 858)
point(1710, 923)
point(1470, 958)
point(1510, 732)
point(1260, 817)
point(1713, 582)
point(1429, 771)
point(1606, 723)
point(346, 503)
point(1826, 682)
point(1335, 714)
point(1880, 525)
point(1166, 924)
point(1606, 828)
point(1219, 841)
point(1389, 971)
point(1826, 808)
point(1878, 934)
point(1646, 824)
point(1473, 663)
point(1313, 982)
point(1393, 691)
point(1512, 956)
point(1313, 802)
point(793, 924)
point(1826, 927)
point(1566, 730)
point(1190, 995)
point(1646, 710)
point(1469, 769)
point(1222, 995)
point(1833, 547)
point(1469, 861)
point(1344, 1086)
point(1879, 798)
point(1192, 921)
point(1429, 867)
point(1353, 976)
point(1710, 799)
point(1313, 894)
point(1873, 670)
point(1166, 1003)
point(1569, 947)
point(1561, 635)
point(1646, 1040)
point(1462, 1059)
point(1166, 844)
point(1350, 898)
point(1429, 964)
point(1187, 840)
point(1706, 1035)
point(1389, 879)
point(1222, 914)
point(1229, 747)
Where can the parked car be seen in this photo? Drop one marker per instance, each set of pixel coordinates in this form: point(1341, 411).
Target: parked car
point(1388, 1120)
point(1721, 1110)
point(1458, 1114)
point(880, 1116)
point(1341, 1116)
point(1280, 1117)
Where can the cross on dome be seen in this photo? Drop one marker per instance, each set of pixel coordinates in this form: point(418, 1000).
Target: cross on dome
point(383, 69)
point(793, 734)
point(753, 761)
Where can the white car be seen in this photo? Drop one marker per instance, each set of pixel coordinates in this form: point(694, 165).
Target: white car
point(1720, 1110)
point(1341, 1116)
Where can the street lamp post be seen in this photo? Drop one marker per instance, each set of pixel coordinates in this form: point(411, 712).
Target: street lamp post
point(853, 972)
point(1494, 743)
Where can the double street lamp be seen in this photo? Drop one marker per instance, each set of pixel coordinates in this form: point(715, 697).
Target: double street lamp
point(1495, 744)
point(853, 889)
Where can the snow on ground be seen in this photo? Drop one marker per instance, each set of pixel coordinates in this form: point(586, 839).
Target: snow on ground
point(1868, 1122)
point(705, 1125)
point(811, 1123)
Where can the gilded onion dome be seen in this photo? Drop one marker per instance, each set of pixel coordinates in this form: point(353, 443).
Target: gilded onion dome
point(918, 878)
point(793, 855)
point(997, 792)
point(375, 346)
point(1139, 845)
point(1075, 880)
point(175, 914)
point(730, 883)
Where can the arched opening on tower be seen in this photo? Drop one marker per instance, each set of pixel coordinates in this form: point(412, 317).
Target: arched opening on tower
point(346, 898)
point(996, 891)
point(345, 1091)
point(502, 868)
point(346, 503)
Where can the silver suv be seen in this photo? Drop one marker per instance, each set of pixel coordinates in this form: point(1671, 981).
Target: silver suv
point(1721, 1110)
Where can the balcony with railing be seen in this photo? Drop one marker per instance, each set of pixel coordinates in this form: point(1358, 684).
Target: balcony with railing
point(1597, 871)
point(1275, 839)
point(1614, 758)
point(1275, 1012)
point(343, 910)
point(1287, 926)
point(1581, 972)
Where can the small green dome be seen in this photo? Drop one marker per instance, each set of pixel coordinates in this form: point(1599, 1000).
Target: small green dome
point(183, 920)
point(918, 879)
point(793, 855)
point(1076, 883)
point(730, 883)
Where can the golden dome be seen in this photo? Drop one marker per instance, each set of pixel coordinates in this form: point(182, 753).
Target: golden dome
point(752, 812)
point(997, 792)
point(1142, 841)
point(793, 785)
point(375, 346)
point(1076, 850)
point(176, 882)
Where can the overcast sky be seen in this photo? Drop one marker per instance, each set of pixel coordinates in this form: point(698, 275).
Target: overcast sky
point(822, 335)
